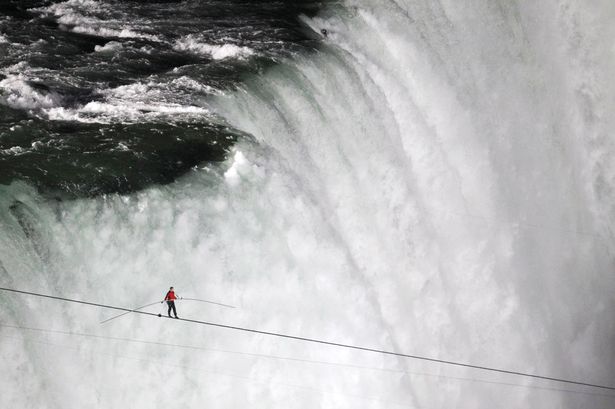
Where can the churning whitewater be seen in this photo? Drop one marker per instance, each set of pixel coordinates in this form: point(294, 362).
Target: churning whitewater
point(433, 178)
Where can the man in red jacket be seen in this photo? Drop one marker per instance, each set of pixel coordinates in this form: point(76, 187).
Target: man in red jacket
point(170, 299)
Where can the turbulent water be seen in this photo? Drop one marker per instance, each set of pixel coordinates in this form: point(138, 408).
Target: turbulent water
point(432, 178)
point(101, 97)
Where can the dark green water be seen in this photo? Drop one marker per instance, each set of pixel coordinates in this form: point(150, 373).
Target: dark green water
point(101, 97)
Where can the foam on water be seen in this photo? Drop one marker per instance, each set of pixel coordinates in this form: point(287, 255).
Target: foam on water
point(109, 32)
point(100, 112)
point(193, 43)
point(18, 93)
point(438, 180)
point(110, 47)
point(134, 103)
point(76, 16)
point(127, 103)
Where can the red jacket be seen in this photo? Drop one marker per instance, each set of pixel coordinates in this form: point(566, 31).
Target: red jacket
point(170, 296)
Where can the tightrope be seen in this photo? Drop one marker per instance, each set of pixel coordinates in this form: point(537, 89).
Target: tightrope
point(319, 341)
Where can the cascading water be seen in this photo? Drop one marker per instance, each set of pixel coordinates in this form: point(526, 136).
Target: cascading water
point(437, 179)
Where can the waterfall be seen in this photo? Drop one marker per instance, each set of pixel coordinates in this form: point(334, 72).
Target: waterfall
point(437, 179)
